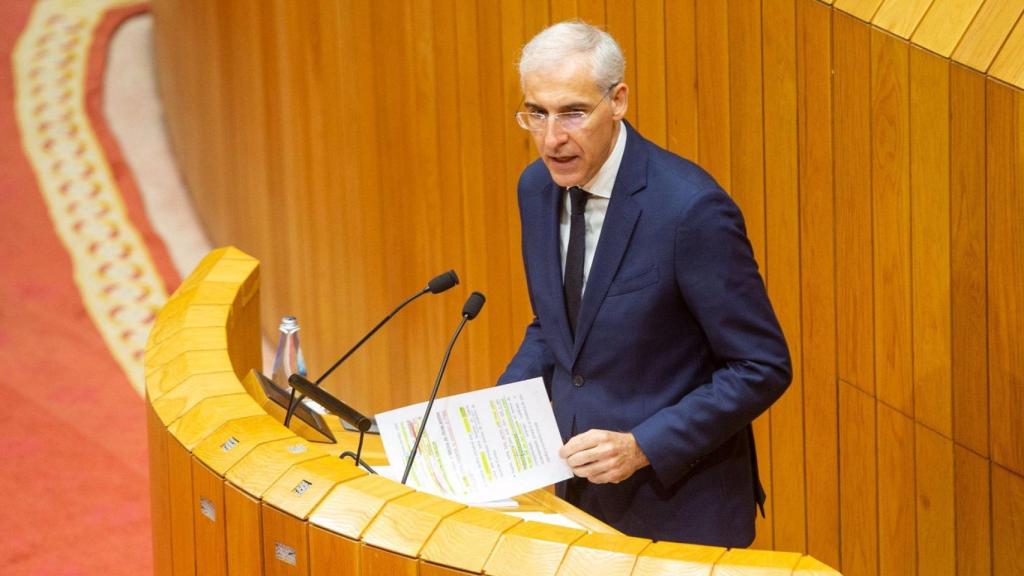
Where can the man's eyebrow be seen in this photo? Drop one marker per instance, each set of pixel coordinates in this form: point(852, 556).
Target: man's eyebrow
point(571, 106)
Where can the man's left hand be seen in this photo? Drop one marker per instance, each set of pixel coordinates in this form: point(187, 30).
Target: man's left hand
point(602, 456)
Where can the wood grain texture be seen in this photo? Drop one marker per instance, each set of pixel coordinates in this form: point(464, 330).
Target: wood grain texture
point(285, 543)
point(209, 515)
point(897, 537)
point(737, 562)
point(890, 198)
point(945, 24)
point(936, 505)
point(405, 523)
point(242, 520)
point(852, 143)
point(818, 278)
point(374, 560)
point(1008, 65)
point(1005, 211)
point(973, 513)
point(330, 553)
point(968, 237)
point(531, 548)
point(650, 96)
point(466, 539)
point(602, 553)
point(351, 506)
point(681, 84)
point(862, 9)
point(1007, 521)
point(159, 493)
point(182, 509)
point(901, 17)
point(858, 483)
point(782, 267)
point(930, 241)
point(668, 558)
point(985, 35)
point(714, 144)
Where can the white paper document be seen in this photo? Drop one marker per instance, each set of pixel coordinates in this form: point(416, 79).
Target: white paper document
point(479, 446)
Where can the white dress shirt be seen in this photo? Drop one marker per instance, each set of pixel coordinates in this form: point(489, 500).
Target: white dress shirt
point(600, 189)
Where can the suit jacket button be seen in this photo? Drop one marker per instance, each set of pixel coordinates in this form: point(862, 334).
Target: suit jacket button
point(577, 381)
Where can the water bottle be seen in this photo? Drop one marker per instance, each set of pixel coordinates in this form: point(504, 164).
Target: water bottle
point(288, 358)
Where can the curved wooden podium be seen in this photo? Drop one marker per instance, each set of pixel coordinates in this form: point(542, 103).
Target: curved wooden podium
point(235, 492)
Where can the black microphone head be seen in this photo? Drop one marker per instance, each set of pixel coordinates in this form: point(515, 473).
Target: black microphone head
point(442, 282)
point(473, 305)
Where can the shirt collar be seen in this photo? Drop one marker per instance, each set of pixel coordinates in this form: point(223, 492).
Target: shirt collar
point(603, 182)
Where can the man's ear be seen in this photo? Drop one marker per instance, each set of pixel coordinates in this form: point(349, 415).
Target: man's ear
point(620, 100)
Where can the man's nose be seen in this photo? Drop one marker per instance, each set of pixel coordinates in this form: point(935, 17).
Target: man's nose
point(554, 135)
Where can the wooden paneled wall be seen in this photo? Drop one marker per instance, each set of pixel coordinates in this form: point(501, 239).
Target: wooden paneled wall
point(358, 148)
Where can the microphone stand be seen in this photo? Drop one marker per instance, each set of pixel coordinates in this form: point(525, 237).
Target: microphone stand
point(469, 311)
point(438, 284)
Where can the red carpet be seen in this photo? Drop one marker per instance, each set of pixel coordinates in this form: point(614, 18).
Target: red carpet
point(73, 476)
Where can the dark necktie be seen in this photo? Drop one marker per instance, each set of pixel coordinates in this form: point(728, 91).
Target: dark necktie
point(573, 282)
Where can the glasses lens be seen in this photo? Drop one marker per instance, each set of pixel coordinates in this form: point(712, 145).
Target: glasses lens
point(570, 121)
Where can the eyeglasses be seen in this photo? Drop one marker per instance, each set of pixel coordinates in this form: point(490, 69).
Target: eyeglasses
point(567, 121)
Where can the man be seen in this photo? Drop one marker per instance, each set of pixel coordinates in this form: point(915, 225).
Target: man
point(652, 328)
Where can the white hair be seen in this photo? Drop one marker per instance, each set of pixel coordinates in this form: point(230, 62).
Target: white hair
point(559, 42)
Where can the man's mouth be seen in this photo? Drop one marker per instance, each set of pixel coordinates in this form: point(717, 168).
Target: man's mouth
point(561, 160)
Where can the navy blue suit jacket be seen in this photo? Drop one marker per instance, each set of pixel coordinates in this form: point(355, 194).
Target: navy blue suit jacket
point(676, 342)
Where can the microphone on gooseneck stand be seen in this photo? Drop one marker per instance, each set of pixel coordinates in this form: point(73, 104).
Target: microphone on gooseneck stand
point(437, 284)
point(469, 311)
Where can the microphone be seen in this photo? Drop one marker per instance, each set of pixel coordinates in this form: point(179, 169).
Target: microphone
point(470, 310)
point(331, 403)
point(436, 285)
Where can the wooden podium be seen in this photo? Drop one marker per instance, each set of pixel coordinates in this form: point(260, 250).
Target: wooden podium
point(235, 492)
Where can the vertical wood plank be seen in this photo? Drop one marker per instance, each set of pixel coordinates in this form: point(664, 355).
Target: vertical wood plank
point(622, 26)
point(890, 193)
point(782, 199)
point(681, 82)
point(211, 545)
point(745, 128)
point(159, 493)
point(817, 278)
point(714, 143)
point(858, 488)
point(1006, 274)
point(969, 256)
point(973, 516)
point(453, 216)
point(563, 10)
point(936, 522)
point(501, 251)
point(284, 530)
point(373, 560)
point(930, 238)
point(897, 538)
point(1007, 522)
point(651, 71)
point(852, 122)
point(330, 553)
point(183, 545)
point(747, 121)
point(243, 522)
point(592, 11)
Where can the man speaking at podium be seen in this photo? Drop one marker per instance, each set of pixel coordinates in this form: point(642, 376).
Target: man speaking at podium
point(652, 328)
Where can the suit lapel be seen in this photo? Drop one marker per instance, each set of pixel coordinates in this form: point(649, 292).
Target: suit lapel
point(619, 222)
point(551, 262)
